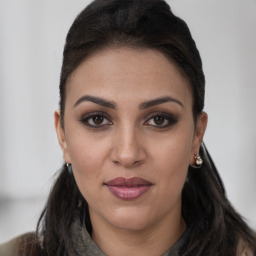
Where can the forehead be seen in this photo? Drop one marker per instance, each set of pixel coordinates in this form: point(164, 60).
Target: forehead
point(129, 73)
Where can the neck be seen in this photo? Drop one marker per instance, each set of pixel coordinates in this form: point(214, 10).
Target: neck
point(154, 240)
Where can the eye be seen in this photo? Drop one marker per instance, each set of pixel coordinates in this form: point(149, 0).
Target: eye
point(96, 120)
point(161, 120)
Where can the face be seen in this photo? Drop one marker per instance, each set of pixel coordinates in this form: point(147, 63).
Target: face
point(130, 136)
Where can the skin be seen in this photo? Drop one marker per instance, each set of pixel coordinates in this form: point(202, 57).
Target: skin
point(130, 143)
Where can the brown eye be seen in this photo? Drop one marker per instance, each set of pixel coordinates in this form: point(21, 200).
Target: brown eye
point(98, 120)
point(159, 120)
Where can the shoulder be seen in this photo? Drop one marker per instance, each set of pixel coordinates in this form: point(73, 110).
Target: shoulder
point(10, 248)
point(244, 250)
point(23, 245)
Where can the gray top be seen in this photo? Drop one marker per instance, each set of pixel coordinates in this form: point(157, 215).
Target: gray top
point(84, 245)
point(80, 245)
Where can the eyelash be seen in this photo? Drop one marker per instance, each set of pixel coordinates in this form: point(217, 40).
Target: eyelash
point(85, 120)
point(168, 119)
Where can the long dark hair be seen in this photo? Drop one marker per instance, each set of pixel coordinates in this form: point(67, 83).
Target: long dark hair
point(216, 227)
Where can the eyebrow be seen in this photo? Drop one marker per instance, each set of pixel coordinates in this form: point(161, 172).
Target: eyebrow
point(112, 105)
point(158, 101)
point(97, 100)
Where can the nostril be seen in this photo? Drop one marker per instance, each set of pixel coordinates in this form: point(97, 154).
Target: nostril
point(127, 162)
point(116, 162)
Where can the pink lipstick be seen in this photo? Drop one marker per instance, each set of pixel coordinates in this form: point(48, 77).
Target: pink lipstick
point(128, 189)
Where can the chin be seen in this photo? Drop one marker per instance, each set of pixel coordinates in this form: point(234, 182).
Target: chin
point(131, 219)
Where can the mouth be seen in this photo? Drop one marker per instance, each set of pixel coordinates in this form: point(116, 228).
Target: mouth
point(128, 189)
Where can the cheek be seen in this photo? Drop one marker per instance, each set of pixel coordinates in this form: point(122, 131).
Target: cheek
point(87, 154)
point(87, 172)
point(174, 148)
point(171, 158)
point(85, 147)
point(172, 168)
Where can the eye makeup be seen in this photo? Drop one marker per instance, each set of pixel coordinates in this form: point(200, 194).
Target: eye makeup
point(96, 120)
point(161, 120)
point(101, 120)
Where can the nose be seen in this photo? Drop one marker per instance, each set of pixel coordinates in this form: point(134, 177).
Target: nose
point(128, 150)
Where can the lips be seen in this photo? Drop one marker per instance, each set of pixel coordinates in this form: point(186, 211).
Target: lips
point(128, 189)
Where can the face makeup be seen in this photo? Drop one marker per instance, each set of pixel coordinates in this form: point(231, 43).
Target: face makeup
point(128, 189)
point(129, 135)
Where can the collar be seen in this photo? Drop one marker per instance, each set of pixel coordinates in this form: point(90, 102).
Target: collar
point(82, 244)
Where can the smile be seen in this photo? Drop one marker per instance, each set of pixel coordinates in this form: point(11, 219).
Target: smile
point(128, 189)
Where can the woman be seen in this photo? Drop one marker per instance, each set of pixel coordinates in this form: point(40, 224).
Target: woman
point(137, 179)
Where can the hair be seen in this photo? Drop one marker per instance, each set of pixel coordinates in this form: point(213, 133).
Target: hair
point(144, 24)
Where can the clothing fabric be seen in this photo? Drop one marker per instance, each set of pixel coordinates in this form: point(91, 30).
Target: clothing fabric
point(83, 245)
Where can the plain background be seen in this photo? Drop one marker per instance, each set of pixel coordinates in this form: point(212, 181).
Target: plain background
point(32, 35)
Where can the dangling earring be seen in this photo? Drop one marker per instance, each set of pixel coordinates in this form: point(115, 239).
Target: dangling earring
point(69, 166)
point(198, 162)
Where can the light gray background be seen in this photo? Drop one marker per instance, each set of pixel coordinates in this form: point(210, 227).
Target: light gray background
point(32, 35)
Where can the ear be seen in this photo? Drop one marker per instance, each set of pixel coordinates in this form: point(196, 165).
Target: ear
point(200, 128)
point(61, 136)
